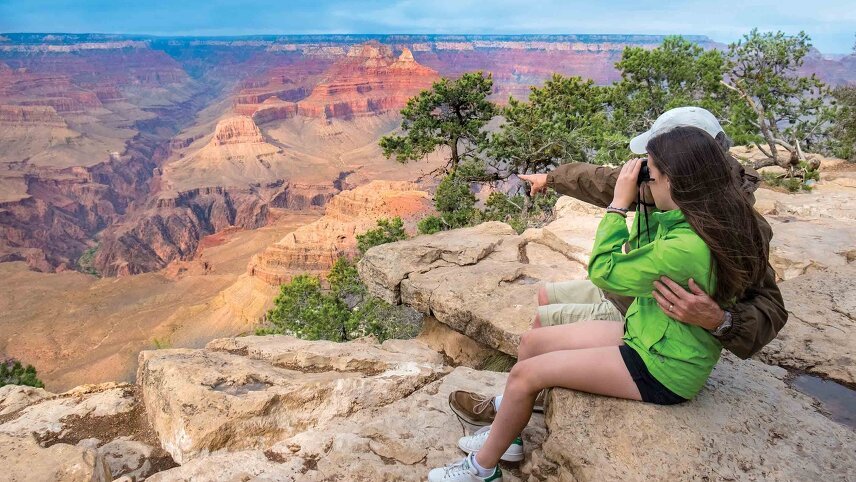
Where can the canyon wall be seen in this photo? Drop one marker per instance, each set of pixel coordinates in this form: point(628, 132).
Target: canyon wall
point(315, 247)
point(132, 140)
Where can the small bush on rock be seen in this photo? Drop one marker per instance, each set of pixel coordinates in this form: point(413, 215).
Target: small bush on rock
point(12, 372)
point(388, 231)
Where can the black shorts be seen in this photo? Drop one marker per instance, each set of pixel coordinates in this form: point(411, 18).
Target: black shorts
point(650, 388)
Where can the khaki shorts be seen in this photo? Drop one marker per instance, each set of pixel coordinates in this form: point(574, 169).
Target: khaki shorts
point(576, 300)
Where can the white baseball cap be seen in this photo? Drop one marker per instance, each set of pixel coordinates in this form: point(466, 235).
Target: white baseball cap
point(681, 116)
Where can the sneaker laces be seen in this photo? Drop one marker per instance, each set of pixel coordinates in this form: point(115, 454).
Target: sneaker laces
point(458, 468)
point(482, 433)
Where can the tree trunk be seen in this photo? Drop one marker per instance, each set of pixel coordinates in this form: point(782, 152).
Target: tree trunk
point(455, 157)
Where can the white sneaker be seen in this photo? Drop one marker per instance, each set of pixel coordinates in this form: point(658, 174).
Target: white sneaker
point(473, 443)
point(462, 471)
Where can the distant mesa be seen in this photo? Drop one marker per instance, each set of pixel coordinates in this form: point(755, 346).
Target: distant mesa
point(237, 130)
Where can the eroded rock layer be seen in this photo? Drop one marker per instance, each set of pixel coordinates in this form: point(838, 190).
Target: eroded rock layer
point(315, 247)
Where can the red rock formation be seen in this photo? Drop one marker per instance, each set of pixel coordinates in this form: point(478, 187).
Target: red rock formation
point(39, 116)
point(282, 80)
point(370, 80)
point(315, 247)
point(171, 228)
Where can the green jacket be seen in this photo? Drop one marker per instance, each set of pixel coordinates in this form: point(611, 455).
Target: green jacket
point(678, 355)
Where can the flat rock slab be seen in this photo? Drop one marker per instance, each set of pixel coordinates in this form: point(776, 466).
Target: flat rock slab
point(250, 392)
point(800, 245)
point(82, 434)
point(746, 424)
point(400, 441)
point(480, 281)
point(52, 415)
point(820, 336)
point(24, 460)
point(16, 397)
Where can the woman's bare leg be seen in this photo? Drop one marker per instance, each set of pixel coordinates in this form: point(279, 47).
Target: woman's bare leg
point(582, 334)
point(598, 370)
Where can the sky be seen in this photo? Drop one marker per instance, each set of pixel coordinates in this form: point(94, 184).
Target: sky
point(830, 23)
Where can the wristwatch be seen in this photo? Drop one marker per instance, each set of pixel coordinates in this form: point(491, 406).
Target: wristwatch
point(727, 321)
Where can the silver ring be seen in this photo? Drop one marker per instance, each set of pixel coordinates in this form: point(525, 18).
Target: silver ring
point(671, 307)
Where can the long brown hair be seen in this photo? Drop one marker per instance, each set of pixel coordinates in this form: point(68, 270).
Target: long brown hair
point(704, 188)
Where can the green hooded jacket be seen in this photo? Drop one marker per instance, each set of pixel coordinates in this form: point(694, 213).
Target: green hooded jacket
point(678, 355)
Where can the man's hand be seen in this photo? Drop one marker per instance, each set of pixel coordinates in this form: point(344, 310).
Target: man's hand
point(537, 181)
point(696, 308)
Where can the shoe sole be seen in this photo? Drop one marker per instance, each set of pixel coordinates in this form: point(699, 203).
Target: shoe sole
point(506, 457)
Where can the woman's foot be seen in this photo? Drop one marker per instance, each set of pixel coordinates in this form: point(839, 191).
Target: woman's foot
point(473, 443)
point(463, 470)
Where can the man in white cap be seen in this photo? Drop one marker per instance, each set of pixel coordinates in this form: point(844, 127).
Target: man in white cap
point(743, 328)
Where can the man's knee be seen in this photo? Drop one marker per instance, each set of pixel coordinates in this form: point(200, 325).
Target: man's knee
point(536, 323)
point(543, 297)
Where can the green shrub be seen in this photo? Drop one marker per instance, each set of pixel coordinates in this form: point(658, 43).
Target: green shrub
point(512, 209)
point(388, 231)
point(86, 261)
point(303, 310)
point(345, 312)
point(430, 225)
point(13, 373)
point(455, 202)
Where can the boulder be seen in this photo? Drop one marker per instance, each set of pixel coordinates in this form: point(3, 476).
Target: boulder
point(59, 415)
point(399, 441)
point(747, 424)
point(820, 333)
point(249, 392)
point(480, 281)
point(101, 424)
point(16, 397)
point(24, 460)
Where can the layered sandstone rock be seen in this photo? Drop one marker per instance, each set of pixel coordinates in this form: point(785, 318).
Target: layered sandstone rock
point(480, 281)
point(31, 116)
point(315, 247)
point(236, 138)
point(369, 80)
point(172, 227)
point(236, 130)
point(746, 424)
point(398, 441)
point(251, 392)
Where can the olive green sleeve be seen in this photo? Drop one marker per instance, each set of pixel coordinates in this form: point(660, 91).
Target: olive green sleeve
point(587, 182)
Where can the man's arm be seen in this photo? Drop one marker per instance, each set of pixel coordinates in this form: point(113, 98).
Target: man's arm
point(586, 182)
point(757, 318)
